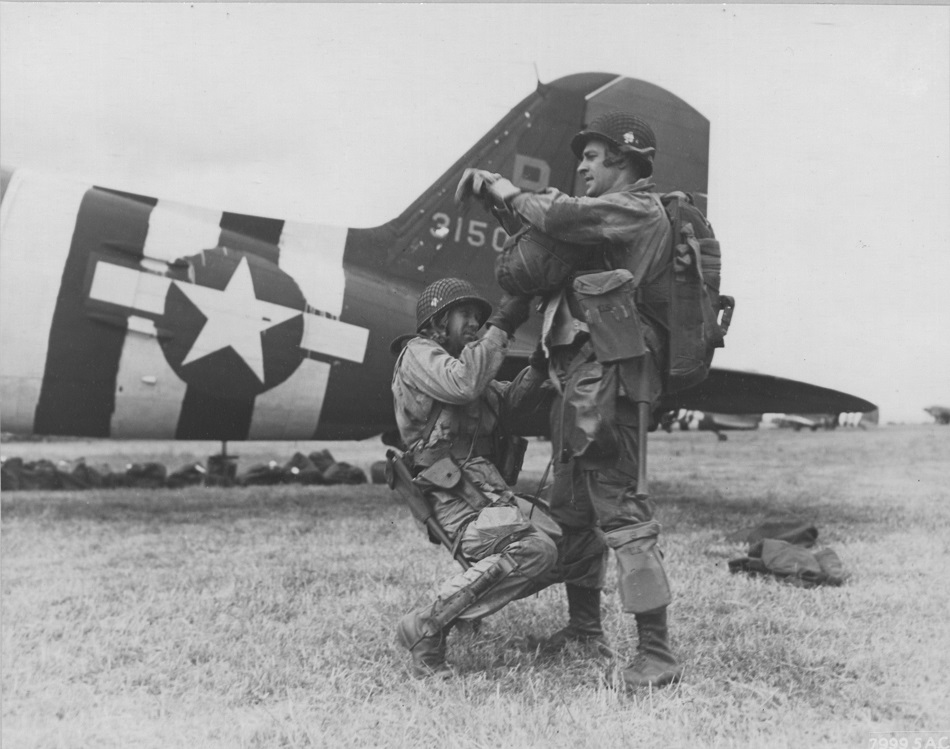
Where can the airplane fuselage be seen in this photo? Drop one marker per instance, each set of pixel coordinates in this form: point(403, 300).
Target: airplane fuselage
point(129, 316)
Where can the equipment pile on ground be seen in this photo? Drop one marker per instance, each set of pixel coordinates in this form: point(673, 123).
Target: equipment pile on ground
point(319, 467)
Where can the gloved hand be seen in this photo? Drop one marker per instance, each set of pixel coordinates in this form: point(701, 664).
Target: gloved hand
point(508, 219)
point(472, 184)
point(511, 313)
point(500, 191)
point(538, 359)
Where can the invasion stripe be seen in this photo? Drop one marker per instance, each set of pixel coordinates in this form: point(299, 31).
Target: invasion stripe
point(37, 220)
point(177, 230)
point(207, 416)
point(149, 393)
point(313, 256)
point(292, 409)
point(79, 382)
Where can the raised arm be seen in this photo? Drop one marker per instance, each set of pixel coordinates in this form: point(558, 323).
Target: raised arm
point(438, 374)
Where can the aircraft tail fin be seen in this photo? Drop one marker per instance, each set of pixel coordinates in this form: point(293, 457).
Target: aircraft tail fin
point(434, 237)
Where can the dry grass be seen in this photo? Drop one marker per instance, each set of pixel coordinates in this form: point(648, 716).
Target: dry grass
point(263, 617)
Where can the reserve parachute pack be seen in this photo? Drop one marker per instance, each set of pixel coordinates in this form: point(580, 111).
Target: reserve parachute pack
point(699, 315)
point(533, 263)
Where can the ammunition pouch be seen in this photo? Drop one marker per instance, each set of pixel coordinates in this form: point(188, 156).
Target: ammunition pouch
point(446, 474)
point(607, 301)
point(643, 582)
point(443, 474)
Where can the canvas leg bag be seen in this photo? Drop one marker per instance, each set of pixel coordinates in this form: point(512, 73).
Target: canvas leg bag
point(643, 583)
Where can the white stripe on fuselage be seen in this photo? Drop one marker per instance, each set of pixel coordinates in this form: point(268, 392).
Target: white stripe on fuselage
point(176, 230)
point(148, 394)
point(129, 288)
point(291, 411)
point(312, 255)
point(37, 222)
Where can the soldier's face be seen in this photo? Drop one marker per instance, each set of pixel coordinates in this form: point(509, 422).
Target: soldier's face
point(598, 177)
point(461, 326)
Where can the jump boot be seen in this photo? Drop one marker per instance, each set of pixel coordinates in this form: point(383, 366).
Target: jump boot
point(583, 625)
point(425, 639)
point(424, 631)
point(654, 664)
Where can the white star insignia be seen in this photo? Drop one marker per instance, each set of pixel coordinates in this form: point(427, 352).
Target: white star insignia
point(235, 317)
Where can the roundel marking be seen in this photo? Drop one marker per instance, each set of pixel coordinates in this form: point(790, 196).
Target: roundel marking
point(235, 332)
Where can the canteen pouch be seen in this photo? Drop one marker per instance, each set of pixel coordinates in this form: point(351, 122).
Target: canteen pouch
point(607, 301)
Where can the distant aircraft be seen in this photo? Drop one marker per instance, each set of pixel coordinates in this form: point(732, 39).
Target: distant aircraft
point(710, 422)
point(812, 422)
point(941, 414)
point(128, 316)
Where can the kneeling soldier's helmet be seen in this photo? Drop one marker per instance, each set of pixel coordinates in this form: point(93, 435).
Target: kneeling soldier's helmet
point(626, 132)
point(442, 294)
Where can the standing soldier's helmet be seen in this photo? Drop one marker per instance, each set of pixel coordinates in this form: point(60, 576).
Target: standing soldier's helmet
point(626, 132)
point(442, 294)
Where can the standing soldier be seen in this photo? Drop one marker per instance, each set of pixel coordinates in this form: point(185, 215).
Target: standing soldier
point(448, 408)
point(619, 225)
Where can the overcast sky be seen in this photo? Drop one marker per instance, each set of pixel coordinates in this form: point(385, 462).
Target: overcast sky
point(830, 138)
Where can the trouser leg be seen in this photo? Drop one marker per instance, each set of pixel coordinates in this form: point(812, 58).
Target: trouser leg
point(511, 558)
point(424, 630)
point(645, 593)
point(582, 554)
point(632, 533)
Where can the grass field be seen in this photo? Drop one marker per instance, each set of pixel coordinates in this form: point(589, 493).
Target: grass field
point(264, 617)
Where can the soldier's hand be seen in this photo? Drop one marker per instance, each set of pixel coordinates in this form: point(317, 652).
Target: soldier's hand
point(500, 191)
point(472, 184)
point(538, 359)
point(511, 313)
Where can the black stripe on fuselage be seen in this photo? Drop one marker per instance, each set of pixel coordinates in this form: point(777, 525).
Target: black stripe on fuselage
point(77, 396)
point(204, 415)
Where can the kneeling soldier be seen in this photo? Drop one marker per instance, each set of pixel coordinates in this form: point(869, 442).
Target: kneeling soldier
point(448, 408)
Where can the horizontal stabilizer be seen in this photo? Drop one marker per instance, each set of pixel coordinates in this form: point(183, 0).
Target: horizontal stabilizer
point(736, 392)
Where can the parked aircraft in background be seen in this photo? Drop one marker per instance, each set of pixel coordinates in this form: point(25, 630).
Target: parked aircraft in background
point(709, 422)
point(129, 316)
point(941, 414)
point(812, 422)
